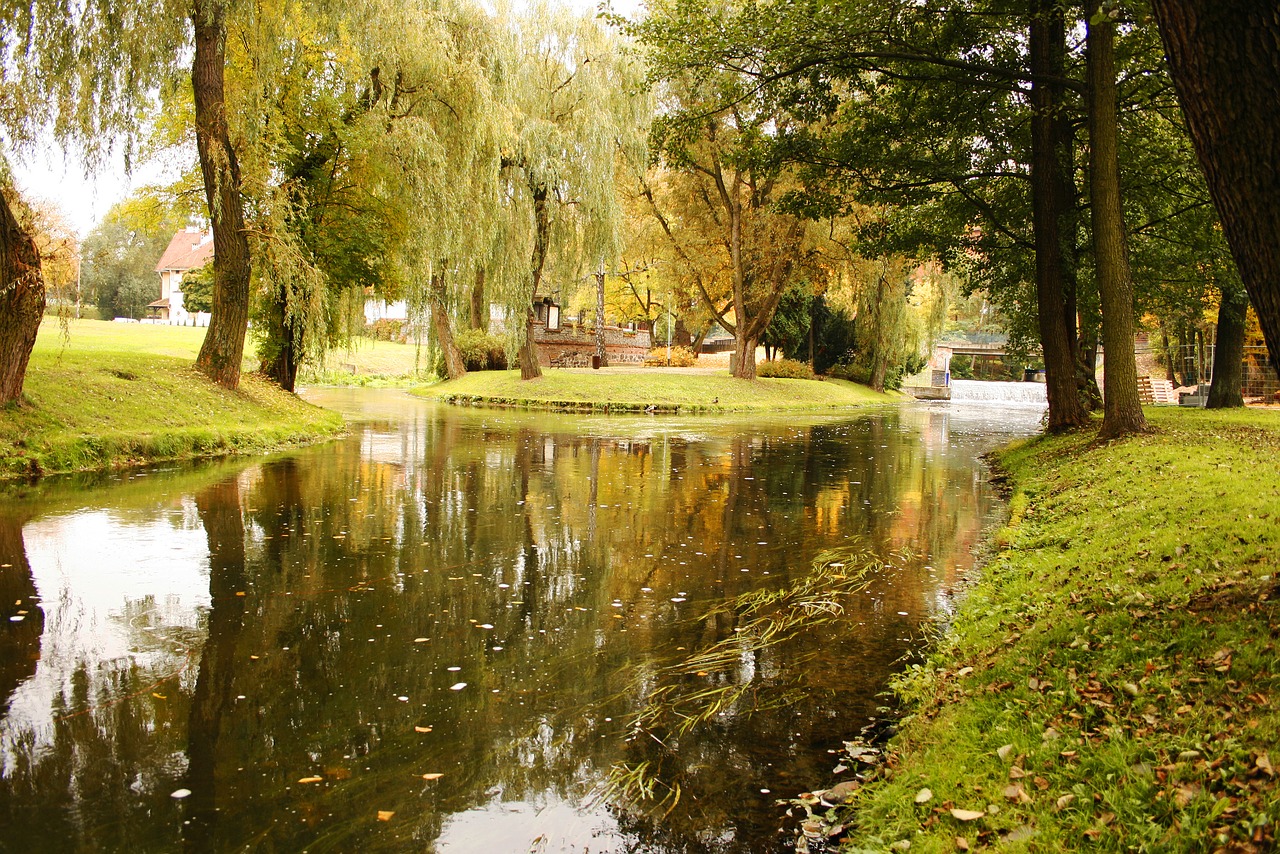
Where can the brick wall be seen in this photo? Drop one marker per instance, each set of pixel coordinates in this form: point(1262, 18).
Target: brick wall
point(573, 348)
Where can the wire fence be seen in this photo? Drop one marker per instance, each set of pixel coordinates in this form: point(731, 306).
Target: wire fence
point(1193, 365)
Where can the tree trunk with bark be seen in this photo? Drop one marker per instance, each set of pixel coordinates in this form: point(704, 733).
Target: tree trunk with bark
point(479, 311)
point(529, 368)
point(601, 354)
point(1048, 50)
point(284, 343)
point(223, 347)
point(1224, 57)
point(454, 365)
point(1226, 390)
point(22, 301)
point(1121, 405)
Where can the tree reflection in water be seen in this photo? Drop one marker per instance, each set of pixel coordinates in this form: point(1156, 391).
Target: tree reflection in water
point(558, 568)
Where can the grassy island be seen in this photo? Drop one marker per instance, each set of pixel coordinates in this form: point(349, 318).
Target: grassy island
point(634, 390)
point(1110, 682)
point(115, 394)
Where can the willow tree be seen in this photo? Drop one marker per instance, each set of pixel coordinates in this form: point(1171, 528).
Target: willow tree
point(82, 76)
point(569, 91)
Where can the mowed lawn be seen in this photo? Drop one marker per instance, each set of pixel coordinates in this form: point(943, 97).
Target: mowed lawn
point(662, 389)
point(101, 394)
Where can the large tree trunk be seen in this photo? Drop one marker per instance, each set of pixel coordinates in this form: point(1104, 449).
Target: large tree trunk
point(453, 363)
point(602, 356)
point(529, 368)
point(1224, 56)
point(21, 301)
point(1225, 391)
point(744, 355)
point(223, 347)
point(1048, 49)
point(284, 347)
point(479, 311)
point(1121, 406)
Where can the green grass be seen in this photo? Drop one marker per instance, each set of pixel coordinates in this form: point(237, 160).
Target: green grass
point(665, 391)
point(115, 394)
point(1120, 648)
point(367, 362)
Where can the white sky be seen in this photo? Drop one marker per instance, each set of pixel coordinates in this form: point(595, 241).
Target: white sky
point(84, 200)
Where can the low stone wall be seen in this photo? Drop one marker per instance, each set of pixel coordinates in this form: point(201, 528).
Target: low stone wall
point(573, 348)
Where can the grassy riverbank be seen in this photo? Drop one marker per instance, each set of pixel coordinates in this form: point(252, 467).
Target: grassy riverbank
point(637, 390)
point(1110, 683)
point(114, 394)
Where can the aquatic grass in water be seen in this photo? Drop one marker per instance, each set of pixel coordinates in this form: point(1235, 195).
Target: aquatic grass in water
point(694, 692)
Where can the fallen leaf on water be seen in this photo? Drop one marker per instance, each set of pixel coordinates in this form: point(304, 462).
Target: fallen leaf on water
point(385, 815)
point(420, 640)
point(311, 780)
point(432, 776)
point(422, 729)
point(457, 686)
point(924, 796)
point(159, 696)
point(180, 793)
point(966, 815)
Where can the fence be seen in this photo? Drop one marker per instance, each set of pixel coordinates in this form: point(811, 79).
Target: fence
point(1193, 365)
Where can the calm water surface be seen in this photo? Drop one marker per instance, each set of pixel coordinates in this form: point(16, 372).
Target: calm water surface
point(436, 634)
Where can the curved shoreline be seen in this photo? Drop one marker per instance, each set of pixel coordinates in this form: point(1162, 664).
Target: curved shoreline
point(1108, 681)
point(656, 391)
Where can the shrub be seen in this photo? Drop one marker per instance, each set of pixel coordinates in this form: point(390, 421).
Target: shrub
point(681, 357)
point(386, 329)
point(481, 351)
point(786, 369)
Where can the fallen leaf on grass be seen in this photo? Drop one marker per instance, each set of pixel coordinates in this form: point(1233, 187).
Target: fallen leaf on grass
point(924, 796)
point(1263, 763)
point(1016, 793)
point(966, 815)
point(962, 844)
point(1005, 752)
point(1064, 802)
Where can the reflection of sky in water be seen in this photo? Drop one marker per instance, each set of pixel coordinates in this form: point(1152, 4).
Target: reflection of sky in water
point(550, 559)
point(118, 592)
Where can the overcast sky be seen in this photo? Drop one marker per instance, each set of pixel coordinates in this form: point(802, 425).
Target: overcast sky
point(51, 176)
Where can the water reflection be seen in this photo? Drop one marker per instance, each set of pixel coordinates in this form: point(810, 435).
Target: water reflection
point(433, 634)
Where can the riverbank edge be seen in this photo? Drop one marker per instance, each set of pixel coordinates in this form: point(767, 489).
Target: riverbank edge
point(666, 393)
point(161, 410)
point(1108, 680)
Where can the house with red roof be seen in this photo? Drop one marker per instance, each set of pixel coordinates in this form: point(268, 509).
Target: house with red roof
point(190, 249)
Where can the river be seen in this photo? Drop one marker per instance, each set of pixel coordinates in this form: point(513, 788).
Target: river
point(468, 630)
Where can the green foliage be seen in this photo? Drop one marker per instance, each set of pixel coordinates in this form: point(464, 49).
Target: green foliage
point(197, 289)
point(119, 255)
point(787, 369)
point(480, 352)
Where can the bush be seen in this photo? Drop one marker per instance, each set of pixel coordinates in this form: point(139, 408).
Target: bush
point(681, 357)
point(481, 351)
point(386, 329)
point(786, 369)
